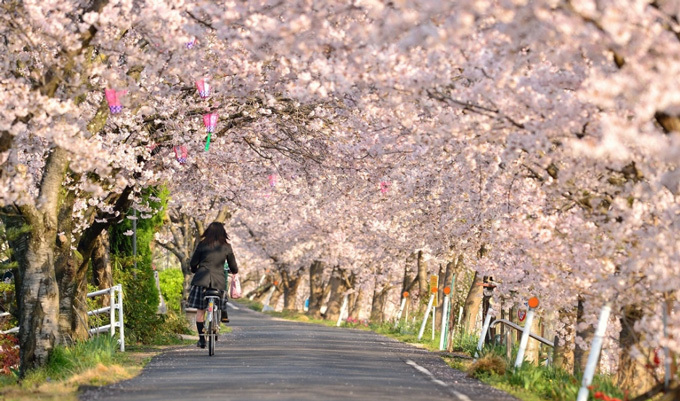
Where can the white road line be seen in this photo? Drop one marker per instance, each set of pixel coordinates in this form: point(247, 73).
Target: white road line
point(234, 307)
point(429, 374)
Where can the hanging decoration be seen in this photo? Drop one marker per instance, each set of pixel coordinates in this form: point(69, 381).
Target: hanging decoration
point(191, 43)
point(272, 180)
point(181, 154)
point(384, 186)
point(203, 88)
point(113, 99)
point(210, 122)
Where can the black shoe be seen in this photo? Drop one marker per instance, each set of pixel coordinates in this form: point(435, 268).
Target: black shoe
point(225, 319)
point(201, 342)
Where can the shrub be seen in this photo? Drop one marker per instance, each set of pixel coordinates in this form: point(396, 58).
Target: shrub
point(9, 355)
point(489, 364)
point(172, 283)
point(140, 295)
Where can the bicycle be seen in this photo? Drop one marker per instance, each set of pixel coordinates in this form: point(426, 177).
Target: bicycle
point(212, 318)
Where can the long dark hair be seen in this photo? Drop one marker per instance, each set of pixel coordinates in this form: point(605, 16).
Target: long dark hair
point(215, 234)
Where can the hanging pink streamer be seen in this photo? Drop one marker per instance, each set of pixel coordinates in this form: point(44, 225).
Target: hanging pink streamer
point(210, 121)
point(181, 154)
point(204, 88)
point(384, 186)
point(272, 180)
point(113, 99)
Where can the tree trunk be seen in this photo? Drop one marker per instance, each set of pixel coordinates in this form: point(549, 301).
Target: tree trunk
point(339, 284)
point(71, 268)
point(73, 320)
point(315, 289)
point(472, 304)
point(38, 292)
point(102, 275)
point(356, 301)
point(533, 346)
point(440, 295)
point(580, 354)
point(290, 284)
point(564, 357)
point(378, 303)
point(423, 284)
point(632, 374)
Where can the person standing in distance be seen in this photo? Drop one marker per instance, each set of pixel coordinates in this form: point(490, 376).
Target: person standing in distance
point(207, 264)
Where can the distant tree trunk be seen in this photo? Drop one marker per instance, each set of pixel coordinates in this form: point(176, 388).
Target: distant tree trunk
point(290, 284)
point(472, 304)
point(632, 374)
point(341, 281)
point(533, 346)
point(316, 289)
point(580, 354)
point(356, 301)
point(408, 284)
point(451, 270)
point(276, 295)
point(440, 296)
point(445, 281)
point(423, 284)
point(378, 303)
point(564, 356)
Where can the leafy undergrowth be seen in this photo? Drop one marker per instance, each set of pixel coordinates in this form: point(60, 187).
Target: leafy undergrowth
point(96, 362)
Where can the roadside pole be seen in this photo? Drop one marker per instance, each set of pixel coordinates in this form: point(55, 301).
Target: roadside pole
point(482, 336)
point(594, 355)
point(343, 310)
point(443, 335)
point(427, 314)
point(266, 306)
point(401, 308)
point(533, 304)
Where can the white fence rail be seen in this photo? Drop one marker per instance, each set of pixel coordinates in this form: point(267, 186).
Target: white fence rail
point(115, 311)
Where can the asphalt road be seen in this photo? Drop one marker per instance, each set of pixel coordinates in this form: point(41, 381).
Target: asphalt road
point(271, 359)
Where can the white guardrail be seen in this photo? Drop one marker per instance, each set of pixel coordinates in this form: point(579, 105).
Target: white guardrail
point(115, 308)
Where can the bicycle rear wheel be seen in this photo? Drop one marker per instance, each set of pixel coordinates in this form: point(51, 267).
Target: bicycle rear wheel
point(211, 337)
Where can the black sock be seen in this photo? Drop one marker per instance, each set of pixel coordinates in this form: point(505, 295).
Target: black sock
point(199, 327)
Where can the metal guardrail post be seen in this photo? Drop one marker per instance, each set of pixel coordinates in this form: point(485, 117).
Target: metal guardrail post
point(121, 326)
point(112, 313)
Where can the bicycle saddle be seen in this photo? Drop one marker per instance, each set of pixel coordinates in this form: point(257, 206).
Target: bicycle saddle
point(211, 292)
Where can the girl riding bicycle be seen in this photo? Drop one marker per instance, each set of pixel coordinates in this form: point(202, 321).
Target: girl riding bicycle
point(207, 264)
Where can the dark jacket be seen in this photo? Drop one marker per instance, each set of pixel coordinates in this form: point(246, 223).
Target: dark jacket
point(208, 265)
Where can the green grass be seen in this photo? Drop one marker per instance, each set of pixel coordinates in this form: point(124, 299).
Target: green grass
point(94, 362)
point(65, 362)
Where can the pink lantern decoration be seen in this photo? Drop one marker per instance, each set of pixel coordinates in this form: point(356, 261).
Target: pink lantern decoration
point(181, 154)
point(384, 186)
point(191, 43)
point(210, 121)
point(272, 180)
point(203, 88)
point(112, 98)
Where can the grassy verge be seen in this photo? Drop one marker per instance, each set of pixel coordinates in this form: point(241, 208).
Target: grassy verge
point(528, 383)
point(95, 362)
